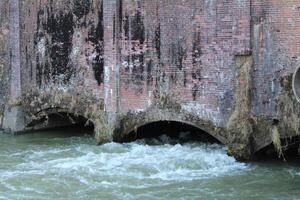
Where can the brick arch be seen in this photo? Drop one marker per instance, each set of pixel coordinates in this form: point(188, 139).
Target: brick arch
point(133, 121)
point(64, 117)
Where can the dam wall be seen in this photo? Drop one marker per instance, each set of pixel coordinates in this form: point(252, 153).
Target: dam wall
point(225, 67)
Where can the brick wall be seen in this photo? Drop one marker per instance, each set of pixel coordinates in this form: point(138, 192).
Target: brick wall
point(130, 52)
point(276, 47)
point(186, 49)
point(4, 31)
point(62, 45)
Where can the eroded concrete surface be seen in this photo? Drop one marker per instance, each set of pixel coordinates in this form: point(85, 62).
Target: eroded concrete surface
point(222, 66)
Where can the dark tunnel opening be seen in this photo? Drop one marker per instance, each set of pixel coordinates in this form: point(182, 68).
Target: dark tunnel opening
point(289, 151)
point(67, 124)
point(171, 132)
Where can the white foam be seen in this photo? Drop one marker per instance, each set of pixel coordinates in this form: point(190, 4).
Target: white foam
point(123, 165)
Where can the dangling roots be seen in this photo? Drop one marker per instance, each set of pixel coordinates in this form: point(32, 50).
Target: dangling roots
point(277, 142)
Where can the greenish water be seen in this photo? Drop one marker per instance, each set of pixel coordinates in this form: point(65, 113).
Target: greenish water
point(54, 165)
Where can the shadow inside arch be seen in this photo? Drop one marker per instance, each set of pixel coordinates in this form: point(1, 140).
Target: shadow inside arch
point(60, 119)
point(289, 150)
point(169, 132)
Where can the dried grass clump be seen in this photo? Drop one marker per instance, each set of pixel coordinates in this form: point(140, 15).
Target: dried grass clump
point(239, 122)
point(289, 111)
point(277, 142)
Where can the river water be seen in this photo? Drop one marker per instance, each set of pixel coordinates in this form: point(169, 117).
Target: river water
point(55, 165)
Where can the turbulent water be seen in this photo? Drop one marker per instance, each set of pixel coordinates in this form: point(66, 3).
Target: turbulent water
point(53, 165)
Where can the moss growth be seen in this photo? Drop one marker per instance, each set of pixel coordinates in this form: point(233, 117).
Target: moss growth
point(14, 102)
point(164, 100)
point(240, 151)
point(286, 82)
point(103, 130)
point(240, 124)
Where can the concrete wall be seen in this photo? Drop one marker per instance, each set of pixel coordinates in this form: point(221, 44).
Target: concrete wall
point(224, 66)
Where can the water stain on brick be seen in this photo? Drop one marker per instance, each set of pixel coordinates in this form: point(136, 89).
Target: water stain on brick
point(134, 31)
point(114, 29)
point(137, 28)
point(149, 72)
point(157, 41)
point(134, 27)
point(61, 29)
point(184, 78)
point(120, 14)
point(195, 91)
point(138, 66)
point(126, 26)
point(56, 30)
point(197, 52)
point(95, 36)
point(81, 8)
point(196, 74)
point(178, 54)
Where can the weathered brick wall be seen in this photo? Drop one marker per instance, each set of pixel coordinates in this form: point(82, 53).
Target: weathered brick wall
point(3, 39)
point(185, 49)
point(62, 44)
point(133, 54)
point(4, 54)
point(276, 48)
point(130, 53)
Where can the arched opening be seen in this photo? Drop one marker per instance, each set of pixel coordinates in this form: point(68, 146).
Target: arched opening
point(289, 150)
point(62, 121)
point(296, 84)
point(170, 132)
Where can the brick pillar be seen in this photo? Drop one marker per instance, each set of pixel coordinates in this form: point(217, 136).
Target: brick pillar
point(14, 49)
point(14, 116)
point(111, 55)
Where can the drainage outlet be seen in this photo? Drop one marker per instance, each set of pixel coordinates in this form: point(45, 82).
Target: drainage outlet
point(296, 84)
